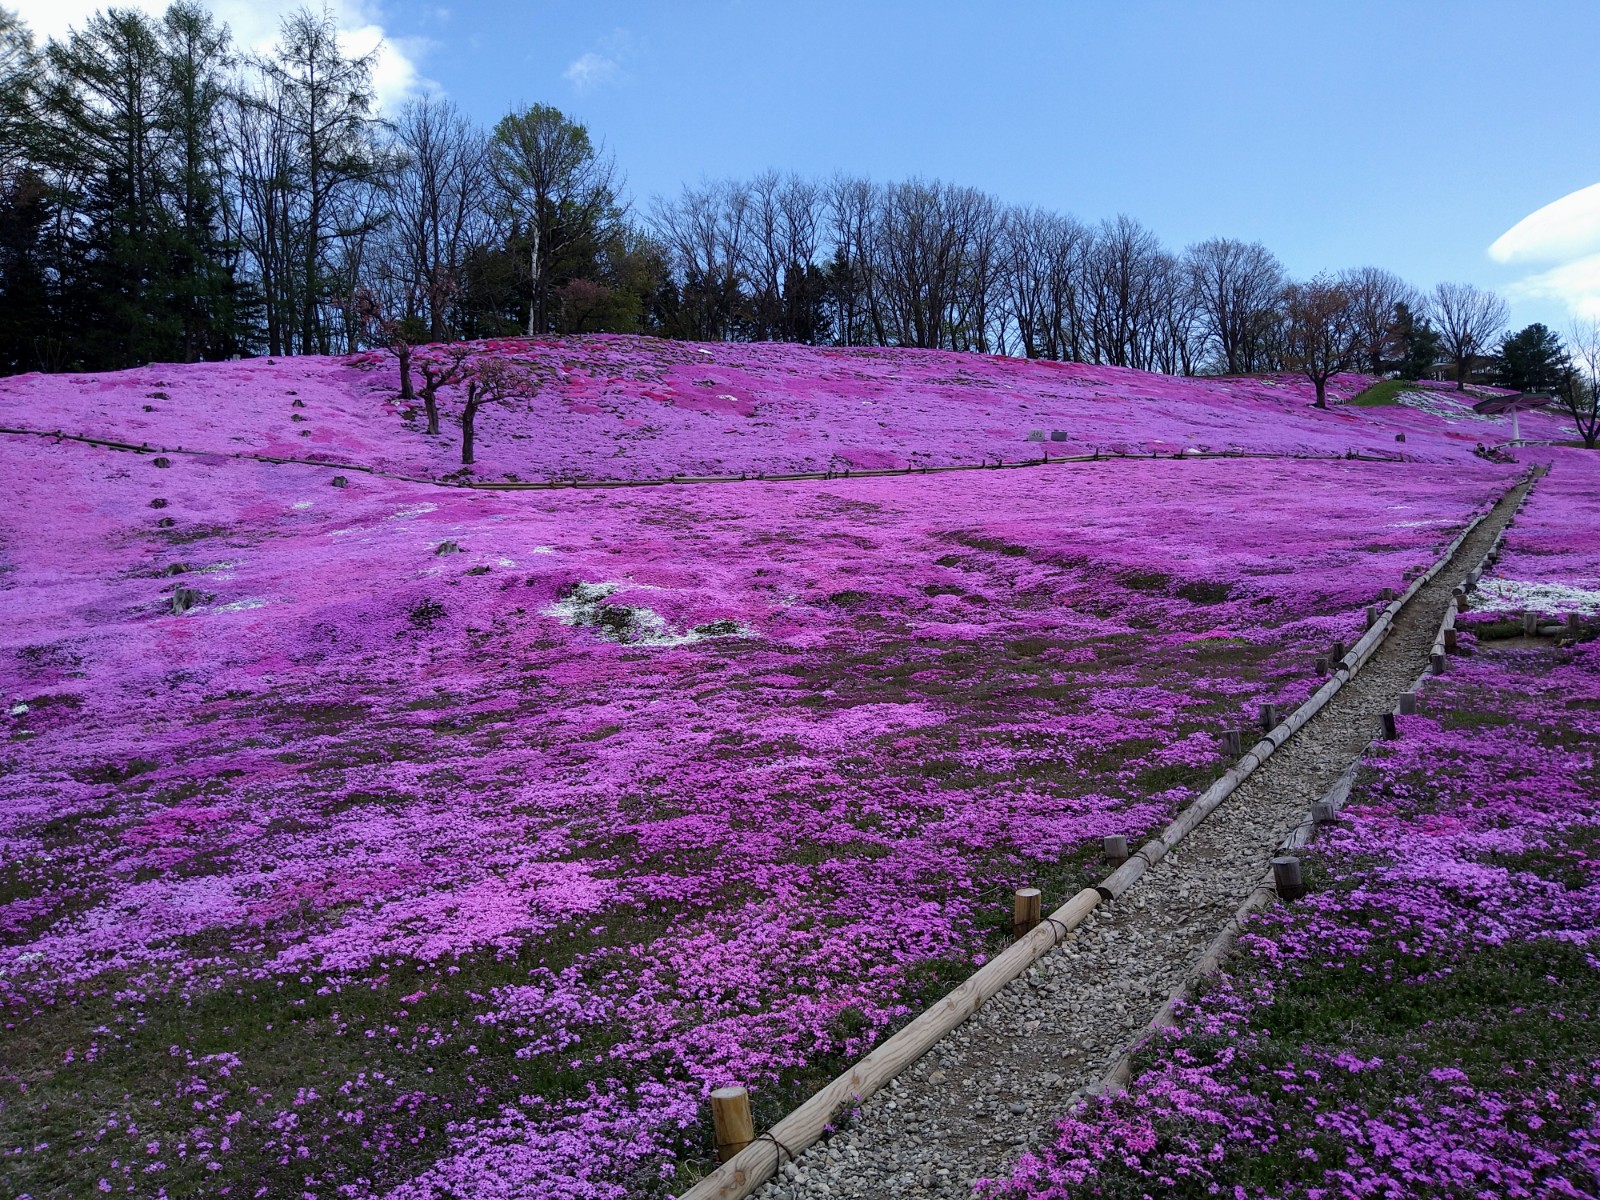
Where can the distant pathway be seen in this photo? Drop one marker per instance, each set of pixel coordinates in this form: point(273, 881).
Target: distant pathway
point(994, 1085)
point(679, 480)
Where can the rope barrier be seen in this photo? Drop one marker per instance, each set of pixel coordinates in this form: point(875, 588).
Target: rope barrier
point(1098, 455)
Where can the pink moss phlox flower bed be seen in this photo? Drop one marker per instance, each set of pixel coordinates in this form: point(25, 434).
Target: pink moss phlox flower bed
point(1551, 560)
point(382, 870)
point(616, 407)
point(1427, 1021)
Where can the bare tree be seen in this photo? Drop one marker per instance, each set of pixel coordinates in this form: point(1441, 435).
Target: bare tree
point(442, 367)
point(322, 102)
point(491, 381)
point(1580, 397)
point(1469, 319)
point(1374, 293)
point(705, 231)
point(442, 206)
point(1124, 264)
point(853, 207)
point(1236, 287)
point(1319, 331)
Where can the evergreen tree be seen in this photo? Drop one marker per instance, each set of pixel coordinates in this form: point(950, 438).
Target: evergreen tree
point(1533, 360)
point(1415, 341)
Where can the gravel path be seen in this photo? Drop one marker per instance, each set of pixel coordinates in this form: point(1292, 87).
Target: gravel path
point(993, 1086)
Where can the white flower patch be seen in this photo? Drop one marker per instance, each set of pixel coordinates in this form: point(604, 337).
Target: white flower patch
point(543, 550)
point(415, 510)
point(1436, 405)
point(632, 625)
point(302, 504)
point(241, 605)
point(1521, 594)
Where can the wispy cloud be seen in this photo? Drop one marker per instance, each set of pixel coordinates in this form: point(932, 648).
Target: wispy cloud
point(1564, 237)
point(602, 65)
point(591, 70)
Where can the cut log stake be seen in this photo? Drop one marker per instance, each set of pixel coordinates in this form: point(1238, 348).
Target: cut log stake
point(1372, 615)
point(1387, 594)
point(1269, 717)
point(1116, 847)
point(1338, 652)
point(1391, 726)
point(1436, 661)
point(1322, 812)
point(1026, 907)
point(1530, 624)
point(1408, 703)
point(1233, 741)
point(1322, 665)
point(1452, 641)
point(1286, 877)
point(730, 1117)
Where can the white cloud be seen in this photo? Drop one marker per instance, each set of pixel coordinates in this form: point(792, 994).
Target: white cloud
point(1566, 233)
point(1575, 284)
point(255, 27)
point(591, 70)
point(1560, 231)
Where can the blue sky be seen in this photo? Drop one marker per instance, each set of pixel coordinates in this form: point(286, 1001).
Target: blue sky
point(1409, 135)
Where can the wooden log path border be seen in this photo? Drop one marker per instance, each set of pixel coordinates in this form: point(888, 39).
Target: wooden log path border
point(1444, 640)
point(556, 485)
point(759, 1161)
point(1326, 808)
point(1210, 962)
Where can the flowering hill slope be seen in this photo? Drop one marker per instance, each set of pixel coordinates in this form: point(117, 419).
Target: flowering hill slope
point(1551, 562)
point(385, 871)
point(612, 407)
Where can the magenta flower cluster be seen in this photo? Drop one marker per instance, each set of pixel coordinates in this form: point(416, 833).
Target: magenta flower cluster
point(1465, 859)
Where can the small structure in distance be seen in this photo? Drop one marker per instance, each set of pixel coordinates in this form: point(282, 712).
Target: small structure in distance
point(1497, 405)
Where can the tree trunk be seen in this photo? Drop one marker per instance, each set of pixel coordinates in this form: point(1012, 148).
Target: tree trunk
point(1322, 391)
point(403, 353)
point(431, 405)
point(469, 415)
point(533, 263)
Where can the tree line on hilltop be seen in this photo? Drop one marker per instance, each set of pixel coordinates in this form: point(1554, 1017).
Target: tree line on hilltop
point(165, 196)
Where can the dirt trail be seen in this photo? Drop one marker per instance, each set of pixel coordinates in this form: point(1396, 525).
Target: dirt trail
point(993, 1086)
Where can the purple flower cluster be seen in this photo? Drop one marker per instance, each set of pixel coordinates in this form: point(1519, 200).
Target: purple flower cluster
point(1427, 1021)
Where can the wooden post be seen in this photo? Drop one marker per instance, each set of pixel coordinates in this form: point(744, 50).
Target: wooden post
point(1322, 665)
point(1269, 717)
point(1372, 615)
point(1391, 727)
point(1322, 812)
point(1026, 906)
point(1233, 741)
point(1574, 623)
point(1408, 703)
point(1436, 661)
point(1387, 595)
point(1116, 847)
point(1451, 641)
point(730, 1116)
point(1530, 624)
point(1338, 652)
point(1286, 878)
